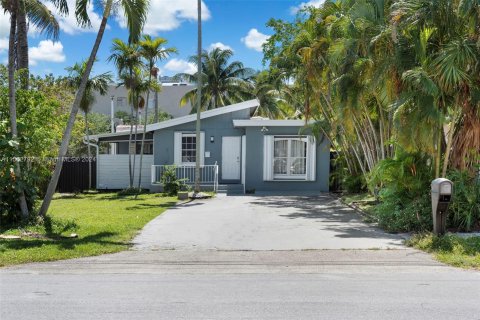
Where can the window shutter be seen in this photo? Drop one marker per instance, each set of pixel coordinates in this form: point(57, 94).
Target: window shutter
point(268, 158)
point(311, 158)
point(177, 148)
point(202, 148)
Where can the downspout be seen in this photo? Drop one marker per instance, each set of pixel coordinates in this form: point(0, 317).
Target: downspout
point(96, 159)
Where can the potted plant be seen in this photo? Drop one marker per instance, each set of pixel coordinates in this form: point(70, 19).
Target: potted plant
point(183, 191)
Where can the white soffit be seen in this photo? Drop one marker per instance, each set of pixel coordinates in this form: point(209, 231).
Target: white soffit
point(270, 123)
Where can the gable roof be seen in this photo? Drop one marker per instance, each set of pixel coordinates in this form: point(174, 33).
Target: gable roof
point(204, 115)
point(186, 119)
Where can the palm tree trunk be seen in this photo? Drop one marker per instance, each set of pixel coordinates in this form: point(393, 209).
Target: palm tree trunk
point(22, 45)
point(199, 97)
point(130, 137)
point(89, 153)
point(143, 137)
point(449, 143)
point(135, 143)
point(156, 105)
point(73, 113)
point(22, 201)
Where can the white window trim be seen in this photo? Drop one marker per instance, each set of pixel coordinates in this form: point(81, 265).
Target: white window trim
point(268, 159)
point(178, 135)
point(280, 176)
point(187, 135)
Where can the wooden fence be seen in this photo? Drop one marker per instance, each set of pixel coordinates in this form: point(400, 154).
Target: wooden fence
point(74, 175)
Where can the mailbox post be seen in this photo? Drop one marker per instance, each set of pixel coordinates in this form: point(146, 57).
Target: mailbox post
point(442, 190)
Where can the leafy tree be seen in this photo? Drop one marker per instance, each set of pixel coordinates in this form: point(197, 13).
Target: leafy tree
point(40, 124)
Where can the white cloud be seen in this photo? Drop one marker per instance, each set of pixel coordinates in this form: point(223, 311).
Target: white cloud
point(180, 66)
point(4, 24)
point(69, 25)
point(3, 44)
point(219, 45)
point(168, 15)
point(4, 31)
point(255, 39)
point(311, 3)
point(47, 50)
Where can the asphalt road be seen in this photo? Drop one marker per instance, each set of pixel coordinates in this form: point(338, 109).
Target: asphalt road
point(172, 274)
point(324, 284)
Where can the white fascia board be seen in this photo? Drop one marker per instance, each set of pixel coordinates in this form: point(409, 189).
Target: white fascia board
point(203, 115)
point(270, 123)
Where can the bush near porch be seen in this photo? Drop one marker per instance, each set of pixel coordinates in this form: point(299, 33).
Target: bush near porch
point(104, 223)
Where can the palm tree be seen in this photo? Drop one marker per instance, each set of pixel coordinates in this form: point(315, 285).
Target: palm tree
point(151, 50)
point(12, 102)
point(43, 19)
point(223, 83)
point(38, 16)
point(199, 97)
point(269, 93)
point(135, 14)
point(97, 83)
point(126, 58)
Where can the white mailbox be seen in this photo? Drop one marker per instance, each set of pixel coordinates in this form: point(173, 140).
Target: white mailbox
point(442, 190)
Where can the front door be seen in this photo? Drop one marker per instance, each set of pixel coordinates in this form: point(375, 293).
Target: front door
point(231, 147)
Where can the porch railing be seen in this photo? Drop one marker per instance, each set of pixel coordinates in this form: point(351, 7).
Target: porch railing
point(208, 174)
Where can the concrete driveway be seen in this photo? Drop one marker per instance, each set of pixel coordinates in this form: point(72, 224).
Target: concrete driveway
point(263, 223)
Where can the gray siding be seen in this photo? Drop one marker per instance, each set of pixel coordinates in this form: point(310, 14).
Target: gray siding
point(254, 163)
point(217, 127)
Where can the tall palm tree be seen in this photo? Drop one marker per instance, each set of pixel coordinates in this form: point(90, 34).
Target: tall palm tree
point(135, 14)
point(199, 97)
point(12, 102)
point(223, 83)
point(98, 83)
point(41, 18)
point(152, 50)
point(126, 58)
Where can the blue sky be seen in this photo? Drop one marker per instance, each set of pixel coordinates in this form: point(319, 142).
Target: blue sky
point(236, 24)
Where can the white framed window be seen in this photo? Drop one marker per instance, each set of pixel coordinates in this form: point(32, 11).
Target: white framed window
point(289, 158)
point(189, 148)
point(185, 148)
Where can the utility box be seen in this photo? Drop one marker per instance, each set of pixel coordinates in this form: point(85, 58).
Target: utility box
point(442, 190)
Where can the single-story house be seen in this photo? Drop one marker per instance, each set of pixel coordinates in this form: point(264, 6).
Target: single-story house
point(236, 149)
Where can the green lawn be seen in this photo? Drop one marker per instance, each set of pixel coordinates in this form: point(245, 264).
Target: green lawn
point(104, 223)
point(450, 249)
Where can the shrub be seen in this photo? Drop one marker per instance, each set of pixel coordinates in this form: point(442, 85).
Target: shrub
point(404, 184)
point(354, 183)
point(395, 214)
point(464, 211)
point(405, 196)
point(171, 184)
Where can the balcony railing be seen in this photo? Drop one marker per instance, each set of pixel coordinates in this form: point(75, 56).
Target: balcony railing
point(208, 174)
